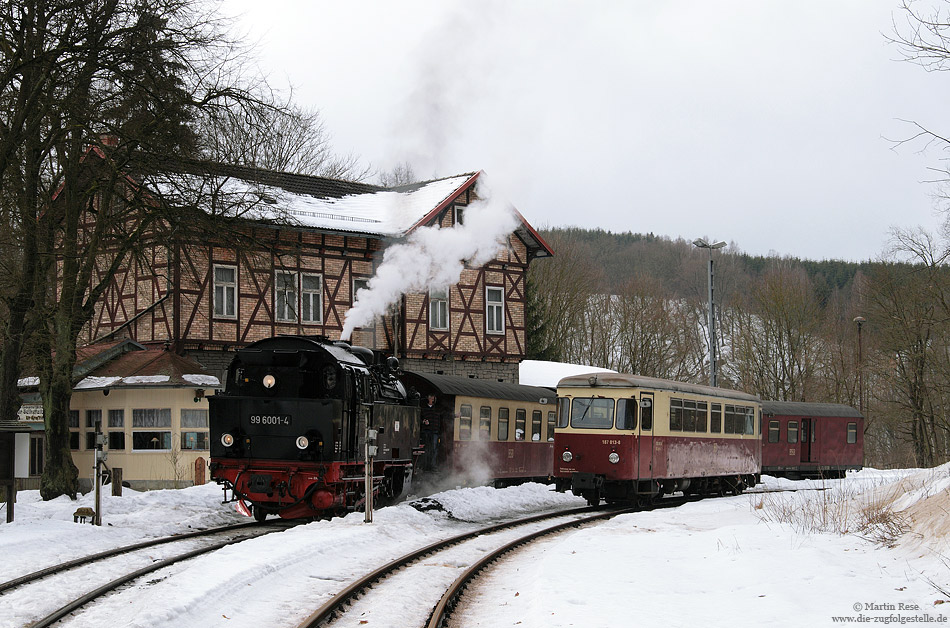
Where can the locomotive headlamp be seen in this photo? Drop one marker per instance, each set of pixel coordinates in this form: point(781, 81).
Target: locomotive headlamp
point(269, 381)
point(227, 440)
point(303, 442)
point(614, 457)
point(567, 456)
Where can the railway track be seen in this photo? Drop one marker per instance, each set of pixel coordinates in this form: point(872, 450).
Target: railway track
point(472, 557)
point(235, 534)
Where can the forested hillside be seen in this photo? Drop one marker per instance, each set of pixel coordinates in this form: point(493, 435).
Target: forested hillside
point(786, 327)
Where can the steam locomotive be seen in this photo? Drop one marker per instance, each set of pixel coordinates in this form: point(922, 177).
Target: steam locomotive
point(289, 433)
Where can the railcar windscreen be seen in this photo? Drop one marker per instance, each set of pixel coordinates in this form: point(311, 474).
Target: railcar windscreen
point(592, 413)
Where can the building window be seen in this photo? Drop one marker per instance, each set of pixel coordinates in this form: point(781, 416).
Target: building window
point(311, 294)
point(117, 418)
point(458, 213)
point(194, 418)
point(194, 440)
point(359, 284)
point(93, 417)
point(439, 309)
point(151, 439)
point(495, 310)
point(285, 297)
point(74, 425)
point(117, 441)
point(225, 291)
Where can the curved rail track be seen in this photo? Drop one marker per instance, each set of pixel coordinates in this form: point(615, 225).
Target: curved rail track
point(337, 607)
point(253, 530)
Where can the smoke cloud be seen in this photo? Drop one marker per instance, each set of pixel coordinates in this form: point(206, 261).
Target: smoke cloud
point(433, 257)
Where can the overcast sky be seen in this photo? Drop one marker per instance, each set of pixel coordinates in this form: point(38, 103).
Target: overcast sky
point(763, 123)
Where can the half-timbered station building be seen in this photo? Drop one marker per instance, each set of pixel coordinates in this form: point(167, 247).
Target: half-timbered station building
point(311, 243)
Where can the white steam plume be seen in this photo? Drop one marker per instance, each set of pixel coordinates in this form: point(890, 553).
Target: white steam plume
point(433, 258)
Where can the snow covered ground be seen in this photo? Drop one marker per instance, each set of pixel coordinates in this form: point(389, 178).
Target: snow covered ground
point(872, 548)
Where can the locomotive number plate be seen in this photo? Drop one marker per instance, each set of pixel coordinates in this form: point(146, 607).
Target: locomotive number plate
point(270, 419)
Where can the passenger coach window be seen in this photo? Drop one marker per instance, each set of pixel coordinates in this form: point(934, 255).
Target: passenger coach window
point(484, 423)
point(519, 424)
point(715, 421)
point(626, 414)
point(646, 413)
point(852, 433)
point(502, 423)
point(793, 431)
point(773, 431)
point(551, 418)
point(465, 422)
point(536, 425)
point(701, 416)
point(592, 413)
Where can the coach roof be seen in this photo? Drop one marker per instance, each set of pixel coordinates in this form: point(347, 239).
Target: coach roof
point(805, 409)
point(623, 380)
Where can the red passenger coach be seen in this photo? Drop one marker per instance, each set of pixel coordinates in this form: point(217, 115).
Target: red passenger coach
point(811, 439)
point(626, 438)
point(490, 431)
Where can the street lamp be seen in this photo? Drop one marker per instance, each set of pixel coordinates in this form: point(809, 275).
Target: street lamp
point(860, 320)
point(703, 244)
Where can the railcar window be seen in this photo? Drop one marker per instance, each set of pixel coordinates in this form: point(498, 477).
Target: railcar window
point(536, 425)
point(715, 421)
point(520, 416)
point(592, 413)
point(551, 419)
point(646, 414)
point(701, 407)
point(749, 424)
point(676, 415)
point(484, 423)
point(502, 423)
point(773, 431)
point(626, 414)
point(563, 411)
point(852, 433)
point(689, 416)
point(465, 422)
point(792, 431)
point(730, 420)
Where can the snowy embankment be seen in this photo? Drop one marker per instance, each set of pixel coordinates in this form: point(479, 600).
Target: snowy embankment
point(874, 542)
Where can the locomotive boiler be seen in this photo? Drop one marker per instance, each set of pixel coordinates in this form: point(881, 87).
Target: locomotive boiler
point(288, 433)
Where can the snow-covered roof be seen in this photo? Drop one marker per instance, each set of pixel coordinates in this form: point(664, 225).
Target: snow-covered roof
point(548, 374)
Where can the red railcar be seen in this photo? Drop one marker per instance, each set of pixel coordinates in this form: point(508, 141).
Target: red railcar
point(490, 431)
point(628, 438)
point(811, 439)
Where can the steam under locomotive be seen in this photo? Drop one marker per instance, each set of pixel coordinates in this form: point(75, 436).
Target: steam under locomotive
point(288, 434)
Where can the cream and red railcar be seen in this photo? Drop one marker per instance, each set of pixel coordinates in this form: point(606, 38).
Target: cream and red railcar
point(626, 438)
point(811, 439)
point(491, 431)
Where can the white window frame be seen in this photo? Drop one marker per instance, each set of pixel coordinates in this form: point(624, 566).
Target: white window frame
point(494, 311)
point(439, 309)
point(281, 304)
point(221, 302)
point(316, 313)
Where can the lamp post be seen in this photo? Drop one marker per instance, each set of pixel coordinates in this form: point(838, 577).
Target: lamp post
point(703, 244)
point(860, 321)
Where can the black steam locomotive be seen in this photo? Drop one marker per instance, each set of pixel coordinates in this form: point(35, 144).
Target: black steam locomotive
point(289, 432)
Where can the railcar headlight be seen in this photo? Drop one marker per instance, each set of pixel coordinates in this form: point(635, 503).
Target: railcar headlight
point(567, 456)
point(227, 440)
point(269, 381)
point(303, 442)
point(614, 457)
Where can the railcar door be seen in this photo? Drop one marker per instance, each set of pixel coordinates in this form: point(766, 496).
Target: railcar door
point(807, 438)
point(645, 437)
